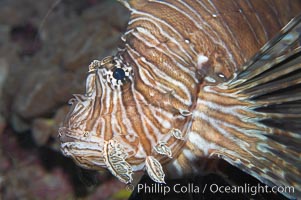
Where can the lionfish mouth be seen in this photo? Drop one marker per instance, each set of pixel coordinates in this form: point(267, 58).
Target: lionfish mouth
point(69, 135)
point(95, 153)
point(85, 150)
point(65, 135)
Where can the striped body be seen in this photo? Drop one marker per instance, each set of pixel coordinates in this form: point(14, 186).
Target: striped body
point(173, 52)
point(176, 101)
point(228, 33)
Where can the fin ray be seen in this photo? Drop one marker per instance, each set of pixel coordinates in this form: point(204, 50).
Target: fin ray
point(272, 53)
point(272, 83)
point(255, 119)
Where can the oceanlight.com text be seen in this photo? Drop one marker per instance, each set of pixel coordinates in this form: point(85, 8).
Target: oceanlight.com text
point(251, 189)
point(213, 188)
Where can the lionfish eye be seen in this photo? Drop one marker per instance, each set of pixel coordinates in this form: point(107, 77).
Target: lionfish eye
point(115, 71)
point(119, 74)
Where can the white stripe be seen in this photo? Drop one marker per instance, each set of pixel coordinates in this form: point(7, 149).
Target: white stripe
point(258, 19)
point(150, 35)
point(232, 110)
point(215, 123)
point(229, 31)
point(204, 6)
point(202, 144)
point(158, 134)
point(116, 129)
point(143, 118)
point(144, 74)
point(189, 155)
point(178, 167)
point(160, 74)
point(216, 38)
point(179, 65)
point(125, 119)
point(165, 34)
point(163, 22)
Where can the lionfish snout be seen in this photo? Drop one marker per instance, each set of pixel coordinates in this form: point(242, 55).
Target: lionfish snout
point(84, 149)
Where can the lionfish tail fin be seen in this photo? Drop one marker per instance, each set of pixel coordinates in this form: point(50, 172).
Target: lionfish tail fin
point(254, 120)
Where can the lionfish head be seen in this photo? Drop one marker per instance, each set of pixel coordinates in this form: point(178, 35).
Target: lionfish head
point(122, 125)
point(90, 131)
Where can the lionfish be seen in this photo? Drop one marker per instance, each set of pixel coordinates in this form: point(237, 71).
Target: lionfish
point(191, 82)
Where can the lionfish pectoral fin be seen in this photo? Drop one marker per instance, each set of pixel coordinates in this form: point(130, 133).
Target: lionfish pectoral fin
point(131, 145)
point(254, 121)
point(154, 169)
point(115, 161)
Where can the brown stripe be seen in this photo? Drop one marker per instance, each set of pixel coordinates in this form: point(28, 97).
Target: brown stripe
point(162, 62)
point(136, 119)
point(158, 96)
point(153, 27)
